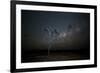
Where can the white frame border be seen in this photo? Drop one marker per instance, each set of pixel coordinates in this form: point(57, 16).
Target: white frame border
point(20, 65)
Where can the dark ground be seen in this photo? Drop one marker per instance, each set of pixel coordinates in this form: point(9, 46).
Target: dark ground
point(60, 55)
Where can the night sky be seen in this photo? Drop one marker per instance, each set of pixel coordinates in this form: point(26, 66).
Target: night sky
point(73, 29)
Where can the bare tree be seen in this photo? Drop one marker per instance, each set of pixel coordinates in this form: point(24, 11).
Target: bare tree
point(53, 34)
